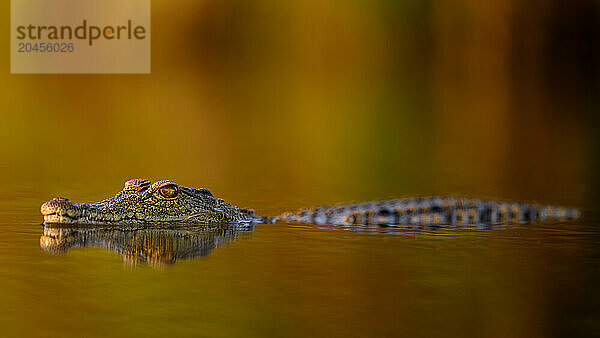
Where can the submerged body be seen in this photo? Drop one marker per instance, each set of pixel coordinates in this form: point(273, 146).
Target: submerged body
point(165, 202)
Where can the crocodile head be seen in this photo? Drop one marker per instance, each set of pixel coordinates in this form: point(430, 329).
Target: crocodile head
point(142, 202)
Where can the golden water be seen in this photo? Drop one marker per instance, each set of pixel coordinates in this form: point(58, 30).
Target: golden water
point(292, 280)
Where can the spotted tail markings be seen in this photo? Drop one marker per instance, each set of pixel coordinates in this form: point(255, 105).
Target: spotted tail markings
point(430, 211)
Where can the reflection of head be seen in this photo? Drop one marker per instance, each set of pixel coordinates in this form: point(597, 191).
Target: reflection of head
point(154, 246)
point(142, 202)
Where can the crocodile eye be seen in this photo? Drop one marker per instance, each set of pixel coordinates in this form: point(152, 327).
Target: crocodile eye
point(169, 191)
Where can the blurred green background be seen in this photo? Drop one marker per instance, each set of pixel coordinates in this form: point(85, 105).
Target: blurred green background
point(322, 100)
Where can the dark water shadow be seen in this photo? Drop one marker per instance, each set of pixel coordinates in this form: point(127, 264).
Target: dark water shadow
point(155, 246)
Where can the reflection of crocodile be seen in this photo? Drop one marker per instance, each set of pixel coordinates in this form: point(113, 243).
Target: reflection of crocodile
point(141, 202)
point(155, 246)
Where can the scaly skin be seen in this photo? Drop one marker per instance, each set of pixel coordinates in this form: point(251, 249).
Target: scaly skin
point(141, 202)
point(430, 211)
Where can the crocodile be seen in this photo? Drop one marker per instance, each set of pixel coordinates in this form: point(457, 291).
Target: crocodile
point(165, 202)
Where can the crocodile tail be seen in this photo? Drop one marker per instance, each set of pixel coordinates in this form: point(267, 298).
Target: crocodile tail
point(429, 211)
point(269, 219)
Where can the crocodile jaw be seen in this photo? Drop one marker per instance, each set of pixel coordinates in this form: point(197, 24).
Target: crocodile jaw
point(60, 210)
point(55, 218)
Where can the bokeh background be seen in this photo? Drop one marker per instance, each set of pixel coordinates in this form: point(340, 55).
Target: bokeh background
point(277, 105)
point(326, 101)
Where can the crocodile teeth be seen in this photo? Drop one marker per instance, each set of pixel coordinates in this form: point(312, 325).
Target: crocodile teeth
point(92, 214)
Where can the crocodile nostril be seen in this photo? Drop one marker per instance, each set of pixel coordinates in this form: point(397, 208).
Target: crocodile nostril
point(57, 205)
point(48, 208)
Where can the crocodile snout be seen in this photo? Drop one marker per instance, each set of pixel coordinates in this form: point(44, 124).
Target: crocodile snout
point(59, 209)
point(57, 205)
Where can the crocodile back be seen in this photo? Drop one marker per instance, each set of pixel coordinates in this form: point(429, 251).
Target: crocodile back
point(430, 211)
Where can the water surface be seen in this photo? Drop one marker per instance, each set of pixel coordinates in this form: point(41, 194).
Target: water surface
point(298, 280)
